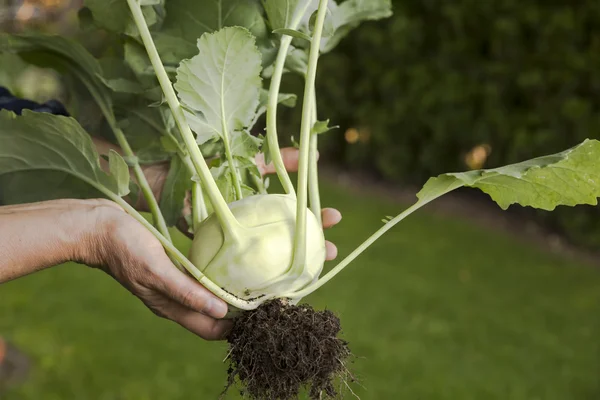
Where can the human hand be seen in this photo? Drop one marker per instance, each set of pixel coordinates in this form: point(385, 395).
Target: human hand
point(99, 233)
point(127, 251)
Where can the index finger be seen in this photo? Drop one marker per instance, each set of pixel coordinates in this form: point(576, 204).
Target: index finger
point(190, 293)
point(290, 156)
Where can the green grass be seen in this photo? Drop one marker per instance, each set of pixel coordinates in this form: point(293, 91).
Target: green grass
point(437, 309)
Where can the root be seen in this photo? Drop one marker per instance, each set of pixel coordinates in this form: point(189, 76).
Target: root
point(278, 350)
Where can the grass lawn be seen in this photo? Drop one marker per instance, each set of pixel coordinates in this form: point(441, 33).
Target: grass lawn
point(437, 309)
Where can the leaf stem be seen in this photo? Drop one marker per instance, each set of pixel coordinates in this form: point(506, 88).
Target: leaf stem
point(232, 167)
point(366, 244)
point(153, 206)
point(305, 132)
point(228, 222)
point(313, 171)
point(199, 212)
point(176, 255)
point(274, 88)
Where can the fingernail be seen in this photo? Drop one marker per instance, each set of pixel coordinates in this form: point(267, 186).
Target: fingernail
point(217, 308)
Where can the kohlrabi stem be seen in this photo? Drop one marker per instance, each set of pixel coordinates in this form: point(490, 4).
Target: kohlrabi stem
point(232, 168)
point(224, 214)
point(313, 171)
point(272, 138)
point(365, 245)
point(153, 206)
point(305, 132)
point(199, 212)
point(175, 254)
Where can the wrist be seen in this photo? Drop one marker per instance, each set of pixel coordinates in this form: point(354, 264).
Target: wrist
point(40, 235)
point(93, 223)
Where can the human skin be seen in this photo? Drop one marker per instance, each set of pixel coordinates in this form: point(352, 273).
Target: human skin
point(99, 233)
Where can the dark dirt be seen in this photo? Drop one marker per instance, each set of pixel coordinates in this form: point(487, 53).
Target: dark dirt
point(279, 349)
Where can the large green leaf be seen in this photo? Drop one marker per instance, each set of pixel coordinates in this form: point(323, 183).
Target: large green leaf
point(41, 141)
point(351, 13)
point(144, 127)
point(38, 185)
point(115, 16)
point(220, 86)
point(110, 81)
point(281, 12)
point(343, 18)
point(65, 56)
point(190, 19)
point(569, 178)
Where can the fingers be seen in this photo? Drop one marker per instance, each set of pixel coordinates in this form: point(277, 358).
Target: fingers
point(330, 217)
point(331, 251)
point(191, 294)
point(290, 161)
point(198, 323)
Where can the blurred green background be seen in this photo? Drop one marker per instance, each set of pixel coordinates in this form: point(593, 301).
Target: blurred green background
point(440, 308)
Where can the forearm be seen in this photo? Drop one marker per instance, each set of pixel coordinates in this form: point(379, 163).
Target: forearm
point(40, 235)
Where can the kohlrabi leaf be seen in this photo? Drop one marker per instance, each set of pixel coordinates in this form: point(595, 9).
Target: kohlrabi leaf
point(265, 150)
point(569, 178)
point(293, 33)
point(297, 61)
point(115, 16)
point(328, 23)
point(119, 171)
point(190, 19)
point(342, 18)
point(285, 99)
point(38, 185)
point(42, 141)
point(118, 76)
point(244, 145)
point(63, 55)
point(281, 12)
point(322, 127)
point(136, 57)
point(307, 22)
point(144, 128)
point(172, 198)
point(350, 14)
point(12, 68)
point(222, 83)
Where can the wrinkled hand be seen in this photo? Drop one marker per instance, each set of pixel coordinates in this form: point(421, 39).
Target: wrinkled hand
point(127, 251)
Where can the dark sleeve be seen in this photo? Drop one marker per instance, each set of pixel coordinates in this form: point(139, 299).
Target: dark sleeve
point(16, 105)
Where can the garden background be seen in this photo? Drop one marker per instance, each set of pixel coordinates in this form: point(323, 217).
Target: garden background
point(461, 301)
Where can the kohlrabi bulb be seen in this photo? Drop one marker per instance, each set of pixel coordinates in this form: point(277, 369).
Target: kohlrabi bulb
point(259, 260)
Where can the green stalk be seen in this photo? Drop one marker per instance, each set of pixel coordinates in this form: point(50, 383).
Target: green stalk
point(232, 169)
point(313, 171)
point(274, 88)
point(199, 212)
point(305, 132)
point(174, 253)
point(228, 222)
point(153, 206)
point(366, 244)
